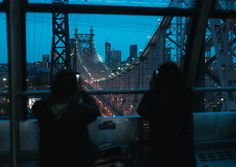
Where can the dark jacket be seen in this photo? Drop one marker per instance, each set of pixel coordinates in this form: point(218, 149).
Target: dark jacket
point(64, 138)
point(171, 124)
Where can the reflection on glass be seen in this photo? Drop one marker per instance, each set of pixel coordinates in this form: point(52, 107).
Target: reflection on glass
point(146, 3)
point(218, 66)
point(226, 4)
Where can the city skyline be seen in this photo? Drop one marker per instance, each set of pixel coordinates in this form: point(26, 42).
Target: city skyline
point(121, 31)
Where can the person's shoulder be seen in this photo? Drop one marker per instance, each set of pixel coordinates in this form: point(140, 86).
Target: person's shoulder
point(150, 95)
point(39, 105)
point(189, 94)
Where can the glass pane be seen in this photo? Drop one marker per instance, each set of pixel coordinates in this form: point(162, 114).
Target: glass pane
point(119, 41)
point(4, 101)
point(132, 50)
point(226, 4)
point(38, 44)
point(109, 51)
point(145, 3)
point(123, 34)
point(218, 66)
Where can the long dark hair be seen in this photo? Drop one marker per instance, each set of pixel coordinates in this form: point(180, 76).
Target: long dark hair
point(172, 95)
point(170, 77)
point(64, 84)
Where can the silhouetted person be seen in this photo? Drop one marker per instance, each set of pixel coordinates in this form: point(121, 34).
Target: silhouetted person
point(168, 107)
point(63, 120)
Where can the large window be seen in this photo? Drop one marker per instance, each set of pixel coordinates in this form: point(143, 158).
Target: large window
point(125, 49)
point(39, 43)
point(115, 52)
point(109, 51)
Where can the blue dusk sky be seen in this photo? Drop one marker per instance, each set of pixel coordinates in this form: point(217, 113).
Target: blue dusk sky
point(120, 31)
point(3, 38)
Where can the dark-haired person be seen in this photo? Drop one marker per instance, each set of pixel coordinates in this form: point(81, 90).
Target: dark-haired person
point(63, 118)
point(168, 108)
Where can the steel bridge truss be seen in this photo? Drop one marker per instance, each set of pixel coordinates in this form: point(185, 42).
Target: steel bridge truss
point(165, 45)
point(168, 43)
point(60, 58)
point(219, 61)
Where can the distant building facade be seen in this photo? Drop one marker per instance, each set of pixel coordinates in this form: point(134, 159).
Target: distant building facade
point(133, 52)
point(107, 53)
point(115, 59)
point(112, 57)
point(45, 60)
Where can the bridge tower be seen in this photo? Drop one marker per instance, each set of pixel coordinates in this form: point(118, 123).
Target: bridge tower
point(60, 57)
point(82, 49)
point(177, 33)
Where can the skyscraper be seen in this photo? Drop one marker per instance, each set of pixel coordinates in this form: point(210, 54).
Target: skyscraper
point(45, 58)
point(112, 57)
point(115, 59)
point(107, 53)
point(133, 52)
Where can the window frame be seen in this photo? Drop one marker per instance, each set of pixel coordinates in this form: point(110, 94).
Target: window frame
point(17, 94)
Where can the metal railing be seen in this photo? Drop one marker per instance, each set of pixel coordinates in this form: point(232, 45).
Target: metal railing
point(122, 91)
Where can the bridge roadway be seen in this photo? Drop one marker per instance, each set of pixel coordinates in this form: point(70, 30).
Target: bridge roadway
point(135, 75)
point(214, 136)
